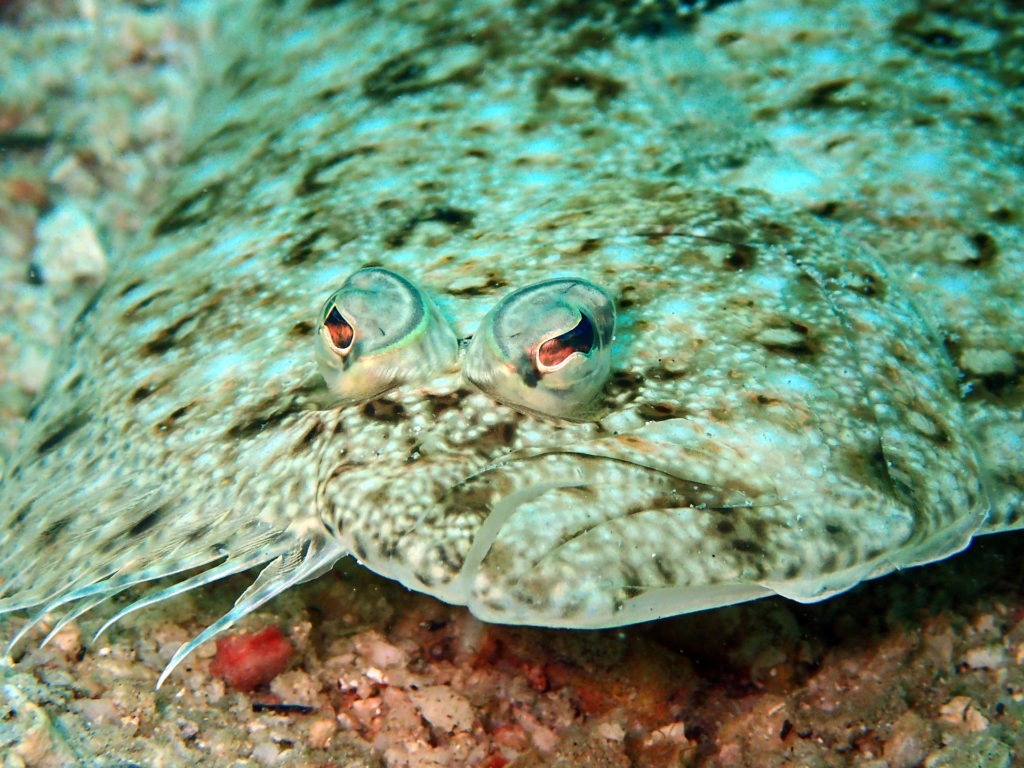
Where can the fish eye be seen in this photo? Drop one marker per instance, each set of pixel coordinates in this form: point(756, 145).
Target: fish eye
point(379, 331)
point(545, 348)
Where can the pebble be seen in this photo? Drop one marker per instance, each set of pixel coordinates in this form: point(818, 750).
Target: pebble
point(68, 249)
point(296, 687)
point(992, 657)
point(443, 708)
point(977, 751)
point(909, 743)
point(320, 733)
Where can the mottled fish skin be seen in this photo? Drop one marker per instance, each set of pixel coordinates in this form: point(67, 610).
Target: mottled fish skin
point(779, 419)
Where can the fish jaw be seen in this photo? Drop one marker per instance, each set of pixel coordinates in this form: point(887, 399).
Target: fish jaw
point(669, 518)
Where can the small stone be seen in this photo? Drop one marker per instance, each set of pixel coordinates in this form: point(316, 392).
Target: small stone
point(296, 687)
point(366, 710)
point(68, 640)
point(99, 711)
point(266, 753)
point(169, 638)
point(443, 708)
point(379, 652)
point(953, 710)
point(987, 362)
point(977, 751)
point(909, 743)
point(611, 732)
point(35, 746)
point(320, 733)
point(68, 249)
point(975, 720)
point(992, 657)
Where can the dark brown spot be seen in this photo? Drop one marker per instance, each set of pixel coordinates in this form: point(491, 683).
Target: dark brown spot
point(311, 181)
point(34, 276)
point(133, 310)
point(86, 311)
point(264, 417)
point(623, 387)
point(143, 392)
point(73, 423)
point(453, 217)
point(441, 403)
point(311, 434)
point(199, 534)
point(871, 286)
point(302, 328)
point(413, 71)
point(603, 87)
point(985, 248)
point(774, 233)
point(170, 336)
point(725, 527)
point(742, 257)
point(303, 249)
point(658, 411)
point(498, 437)
point(195, 209)
point(360, 547)
point(148, 522)
point(168, 423)
point(826, 210)
point(52, 532)
point(384, 410)
point(319, 5)
point(131, 287)
point(820, 95)
point(1001, 215)
point(747, 546)
point(22, 513)
point(492, 284)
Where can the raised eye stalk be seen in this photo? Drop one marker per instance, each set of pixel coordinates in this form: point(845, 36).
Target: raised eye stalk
point(380, 331)
point(545, 348)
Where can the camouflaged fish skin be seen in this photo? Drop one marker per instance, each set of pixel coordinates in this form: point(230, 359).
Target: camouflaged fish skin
point(778, 419)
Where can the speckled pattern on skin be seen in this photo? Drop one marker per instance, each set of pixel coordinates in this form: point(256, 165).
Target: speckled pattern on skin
point(779, 417)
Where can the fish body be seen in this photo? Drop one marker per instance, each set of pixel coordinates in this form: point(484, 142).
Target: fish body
point(778, 419)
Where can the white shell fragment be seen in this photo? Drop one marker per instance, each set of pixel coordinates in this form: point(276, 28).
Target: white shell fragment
point(379, 331)
point(545, 348)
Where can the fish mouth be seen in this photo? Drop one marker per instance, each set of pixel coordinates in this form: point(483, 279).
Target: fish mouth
point(674, 517)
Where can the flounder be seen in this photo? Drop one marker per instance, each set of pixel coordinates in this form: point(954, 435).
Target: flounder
point(554, 385)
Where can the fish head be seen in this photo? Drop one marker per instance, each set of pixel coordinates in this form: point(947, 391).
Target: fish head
point(740, 444)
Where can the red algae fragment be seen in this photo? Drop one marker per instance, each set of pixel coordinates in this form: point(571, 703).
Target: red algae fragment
point(248, 661)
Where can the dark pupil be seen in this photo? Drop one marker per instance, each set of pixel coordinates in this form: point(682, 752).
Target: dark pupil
point(341, 332)
point(580, 339)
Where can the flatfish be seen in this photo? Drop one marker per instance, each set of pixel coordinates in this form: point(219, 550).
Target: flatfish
point(424, 294)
